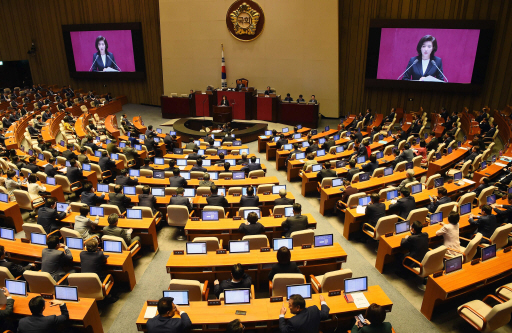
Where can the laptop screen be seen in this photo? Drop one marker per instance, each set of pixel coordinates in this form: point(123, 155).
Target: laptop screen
point(285, 130)
point(280, 242)
point(288, 211)
point(75, 243)
point(36, 238)
point(416, 188)
point(213, 175)
point(7, 233)
point(134, 173)
point(180, 296)
point(239, 246)
point(457, 176)
point(50, 181)
point(40, 156)
point(172, 133)
point(122, 145)
point(68, 164)
point(287, 147)
point(361, 159)
point(449, 150)
point(438, 182)
point(237, 296)
point(178, 151)
point(247, 211)
point(189, 192)
point(181, 162)
point(4, 197)
point(465, 209)
point(299, 289)
point(379, 155)
point(158, 191)
point(364, 201)
point(96, 211)
point(488, 252)
point(66, 293)
point(102, 188)
point(314, 132)
point(231, 161)
point(97, 153)
point(268, 132)
point(134, 214)
point(210, 215)
point(323, 240)
point(320, 152)
point(336, 182)
point(300, 156)
point(305, 144)
point(491, 199)
point(390, 195)
point(129, 190)
point(452, 265)
point(86, 167)
point(159, 160)
point(388, 171)
point(112, 246)
point(62, 206)
point(185, 174)
point(356, 284)
point(158, 174)
point(321, 141)
point(409, 165)
point(237, 143)
point(316, 167)
point(341, 164)
point(277, 188)
point(16, 287)
point(401, 227)
point(340, 149)
point(196, 247)
point(364, 177)
point(238, 175)
point(207, 163)
point(296, 136)
point(436, 218)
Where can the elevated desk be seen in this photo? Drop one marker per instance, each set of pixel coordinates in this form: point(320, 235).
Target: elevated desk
point(442, 165)
point(222, 114)
point(10, 214)
point(308, 114)
point(111, 126)
point(176, 107)
point(267, 108)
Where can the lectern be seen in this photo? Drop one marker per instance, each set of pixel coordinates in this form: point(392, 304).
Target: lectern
point(222, 114)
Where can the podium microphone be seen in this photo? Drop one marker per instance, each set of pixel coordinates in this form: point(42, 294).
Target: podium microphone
point(434, 63)
point(414, 63)
point(114, 63)
point(94, 62)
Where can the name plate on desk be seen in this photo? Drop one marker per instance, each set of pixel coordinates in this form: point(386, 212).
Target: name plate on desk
point(214, 302)
point(276, 299)
point(475, 261)
point(152, 303)
point(437, 274)
point(327, 186)
point(255, 177)
point(221, 251)
point(389, 234)
point(265, 249)
point(265, 193)
point(306, 246)
point(194, 218)
point(507, 249)
point(237, 218)
point(227, 178)
point(205, 195)
point(47, 296)
point(25, 240)
point(237, 194)
point(178, 252)
point(278, 216)
point(335, 292)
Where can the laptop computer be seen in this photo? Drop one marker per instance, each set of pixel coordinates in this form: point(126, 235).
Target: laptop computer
point(453, 265)
point(4, 197)
point(237, 296)
point(239, 246)
point(416, 188)
point(288, 211)
point(102, 188)
point(388, 171)
point(299, 289)
point(135, 214)
point(390, 195)
point(37, 238)
point(356, 285)
point(129, 190)
point(209, 215)
point(401, 227)
point(336, 182)
point(316, 167)
point(489, 252)
point(158, 174)
point(158, 191)
point(280, 242)
point(277, 188)
point(324, 240)
point(112, 246)
point(16, 287)
point(364, 201)
point(247, 211)
point(180, 297)
point(66, 293)
point(189, 192)
point(96, 211)
point(196, 247)
point(75, 243)
point(465, 209)
point(7, 233)
point(438, 182)
point(436, 218)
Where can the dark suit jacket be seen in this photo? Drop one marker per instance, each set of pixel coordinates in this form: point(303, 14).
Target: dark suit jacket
point(69, 155)
point(198, 168)
point(295, 223)
point(283, 269)
point(93, 262)
point(249, 201)
point(120, 200)
point(433, 144)
point(106, 163)
point(374, 212)
point(193, 156)
point(404, 206)
point(251, 229)
point(251, 167)
point(283, 201)
point(148, 200)
point(40, 323)
point(126, 181)
point(92, 145)
point(370, 167)
point(53, 261)
point(486, 224)
point(324, 173)
point(160, 324)
point(349, 190)
point(98, 65)
point(352, 172)
point(416, 71)
point(433, 205)
point(118, 232)
point(74, 174)
point(48, 217)
point(15, 269)
point(181, 201)
point(480, 188)
point(90, 198)
point(306, 321)
point(177, 181)
point(417, 245)
point(32, 167)
point(490, 133)
point(361, 151)
point(228, 284)
point(217, 200)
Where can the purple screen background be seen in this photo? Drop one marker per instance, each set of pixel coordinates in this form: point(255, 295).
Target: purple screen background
point(119, 44)
point(456, 48)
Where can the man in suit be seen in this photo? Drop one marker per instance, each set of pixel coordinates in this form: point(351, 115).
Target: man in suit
point(403, 205)
point(504, 216)
point(250, 200)
point(416, 243)
point(296, 222)
point(124, 180)
point(238, 280)
point(372, 165)
point(169, 143)
point(31, 165)
point(180, 200)
point(93, 260)
point(15, 269)
point(113, 230)
point(243, 160)
point(484, 126)
point(282, 141)
point(348, 191)
point(82, 158)
point(268, 91)
point(215, 199)
point(176, 180)
point(199, 166)
point(283, 200)
point(130, 153)
point(251, 226)
point(146, 199)
point(409, 179)
point(488, 136)
point(146, 165)
point(37, 322)
point(164, 321)
point(106, 164)
point(194, 155)
point(313, 100)
point(484, 183)
point(486, 223)
point(300, 99)
point(53, 260)
point(389, 118)
point(69, 154)
point(375, 210)
point(407, 154)
point(90, 143)
point(328, 144)
point(438, 200)
point(227, 138)
point(305, 319)
point(251, 166)
point(88, 195)
point(47, 115)
point(505, 178)
point(326, 172)
point(149, 142)
point(112, 147)
point(48, 216)
point(191, 145)
point(359, 150)
point(288, 98)
point(206, 181)
point(433, 143)
point(353, 170)
point(74, 173)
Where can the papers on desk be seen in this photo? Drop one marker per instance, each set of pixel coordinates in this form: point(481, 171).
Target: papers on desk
point(45, 165)
point(301, 161)
point(181, 167)
point(503, 158)
point(383, 142)
point(299, 140)
point(361, 209)
point(150, 312)
point(63, 170)
point(500, 164)
point(359, 300)
point(408, 123)
point(185, 157)
point(468, 181)
point(463, 148)
point(95, 141)
point(263, 137)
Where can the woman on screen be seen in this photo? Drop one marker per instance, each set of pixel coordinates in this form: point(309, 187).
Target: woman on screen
point(103, 61)
point(420, 67)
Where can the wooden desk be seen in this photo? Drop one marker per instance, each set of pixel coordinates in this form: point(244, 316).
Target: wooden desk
point(264, 316)
point(504, 125)
point(111, 126)
point(120, 265)
point(407, 123)
point(227, 229)
point(490, 172)
point(222, 114)
point(467, 280)
point(208, 157)
point(11, 215)
point(220, 182)
point(50, 132)
point(81, 124)
point(442, 165)
point(139, 124)
point(177, 107)
point(470, 126)
point(329, 196)
point(263, 139)
point(213, 168)
point(257, 264)
point(144, 228)
point(266, 108)
point(266, 202)
point(308, 114)
point(83, 314)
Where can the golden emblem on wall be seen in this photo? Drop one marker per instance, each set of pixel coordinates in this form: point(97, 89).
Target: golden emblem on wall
point(245, 20)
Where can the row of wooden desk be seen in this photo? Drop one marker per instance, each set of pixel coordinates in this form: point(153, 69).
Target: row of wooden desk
point(263, 139)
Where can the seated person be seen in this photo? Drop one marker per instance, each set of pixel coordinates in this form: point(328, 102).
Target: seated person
point(504, 216)
point(484, 183)
point(310, 160)
point(284, 265)
point(15, 269)
point(180, 200)
point(82, 158)
point(34, 187)
point(283, 200)
point(305, 319)
point(124, 180)
point(166, 321)
point(172, 163)
point(205, 182)
point(215, 199)
point(252, 166)
point(375, 210)
point(438, 200)
point(296, 222)
point(486, 223)
point(353, 169)
point(119, 199)
point(238, 280)
point(37, 322)
point(348, 190)
point(326, 172)
point(194, 155)
point(146, 199)
point(243, 160)
point(372, 165)
point(54, 260)
point(93, 259)
point(288, 98)
point(374, 321)
point(416, 243)
point(89, 197)
point(83, 224)
point(176, 180)
point(221, 159)
point(198, 166)
point(48, 217)
point(113, 230)
point(251, 226)
point(31, 165)
point(250, 200)
point(409, 179)
point(146, 165)
point(404, 205)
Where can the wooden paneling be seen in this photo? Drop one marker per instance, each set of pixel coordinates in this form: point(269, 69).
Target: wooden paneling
point(27, 20)
point(354, 19)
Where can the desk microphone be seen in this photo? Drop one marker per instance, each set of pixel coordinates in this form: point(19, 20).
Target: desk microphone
point(434, 63)
point(94, 62)
point(414, 63)
point(120, 67)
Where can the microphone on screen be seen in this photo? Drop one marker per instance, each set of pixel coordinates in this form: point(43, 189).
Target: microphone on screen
point(94, 62)
point(114, 63)
point(434, 63)
point(414, 63)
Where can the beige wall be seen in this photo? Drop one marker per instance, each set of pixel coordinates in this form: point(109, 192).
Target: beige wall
point(297, 52)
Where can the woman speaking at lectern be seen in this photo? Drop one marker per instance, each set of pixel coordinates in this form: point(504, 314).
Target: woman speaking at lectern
point(425, 65)
point(103, 61)
point(224, 101)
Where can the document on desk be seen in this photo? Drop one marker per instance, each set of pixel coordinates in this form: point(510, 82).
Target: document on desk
point(500, 164)
point(463, 148)
point(361, 209)
point(383, 142)
point(150, 312)
point(468, 181)
point(359, 300)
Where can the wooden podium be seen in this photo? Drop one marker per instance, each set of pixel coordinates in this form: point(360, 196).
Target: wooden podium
point(222, 114)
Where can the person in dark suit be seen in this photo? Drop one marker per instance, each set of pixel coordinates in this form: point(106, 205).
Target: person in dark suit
point(130, 153)
point(169, 143)
point(484, 183)
point(328, 144)
point(305, 319)
point(504, 216)
point(90, 143)
point(359, 150)
point(288, 98)
point(106, 164)
point(347, 191)
point(250, 200)
point(93, 260)
point(251, 166)
point(416, 243)
point(88, 196)
point(74, 173)
point(31, 165)
point(422, 66)
point(238, 280)
point(372, 165)
point(37, 322)
point(198, 166)
point(375, 210)
point(113, 230)
point(146, 165)
point(242, 161)
point(296, 222)
point(407, 154)
point(353, 170)
point(301, 99)
point(438, 200)
point(251, 226)
point(505, 177)
point(176, 180)
point(374, 321)
point(206, 181)
point(433, 143)
point(69, 154)
point(5, 323)
point(268, 91)
point(283, 200)
point(180, 200)
point(15, 269)
point(48, 216)
point(282, 141)
point(119, 199)
point(103, 61)
point(164, 321)
point(149, 142)
point(403, 205)
point(124, 180)
point(47, 115)
point(284, 265)
point(488, 136)
point(389, 118)
point(224, 101)
point(146, 199)
point(326, 172)
point(54, 260)
point(487, 223)
point(215, 199)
